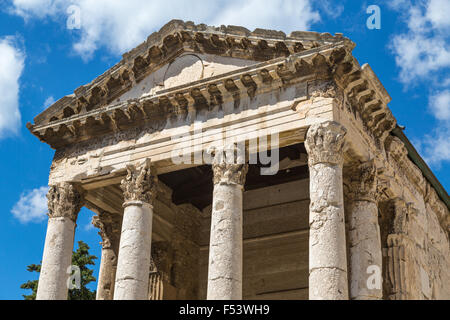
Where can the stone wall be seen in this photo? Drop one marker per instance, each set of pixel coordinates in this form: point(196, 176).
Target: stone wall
point(416, 255)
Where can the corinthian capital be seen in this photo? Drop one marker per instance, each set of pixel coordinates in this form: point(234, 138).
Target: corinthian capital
point(140, 183)
point(64, 200)
point(229, 165)
point(109, 225)
point(325, 143)
point(361, 181)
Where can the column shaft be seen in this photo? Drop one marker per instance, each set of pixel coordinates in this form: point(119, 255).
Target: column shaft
point(107, 275)
point(109, 229)
point(327, 247)
point(364, 232)
point(133, 265)
point(225, 248)
point(56, 260)
point(365, 252)
point(134, 253)
point(64, 203)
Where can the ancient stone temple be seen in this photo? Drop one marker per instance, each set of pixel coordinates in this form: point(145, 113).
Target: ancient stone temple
point(229, 164)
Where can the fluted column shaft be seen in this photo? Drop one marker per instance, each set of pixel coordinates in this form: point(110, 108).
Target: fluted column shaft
point(364, 232)
point(133, 264)
point(64, 203)
point(225, 249)
point(327, 247)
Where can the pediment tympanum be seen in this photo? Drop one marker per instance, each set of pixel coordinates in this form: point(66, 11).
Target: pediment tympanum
point(187, 68)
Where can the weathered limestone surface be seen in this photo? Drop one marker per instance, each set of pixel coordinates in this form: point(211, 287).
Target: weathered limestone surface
point(365, 256)
point(135, 241)
point(225, 254)
point(327, 248)
point(415, 253)
point(64, 203)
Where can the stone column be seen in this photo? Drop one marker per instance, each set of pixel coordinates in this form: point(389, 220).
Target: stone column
point(225, 248)
point(139, 189)
point(364, 239)
point(327, 248)
point(109, 225)
point(64, 203)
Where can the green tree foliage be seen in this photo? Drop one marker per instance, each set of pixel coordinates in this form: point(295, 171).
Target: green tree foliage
point(83, 259)
point(31, 284)
point(80, 258)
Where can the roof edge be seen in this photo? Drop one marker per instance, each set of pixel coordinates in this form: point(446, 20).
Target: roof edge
point(422, 165)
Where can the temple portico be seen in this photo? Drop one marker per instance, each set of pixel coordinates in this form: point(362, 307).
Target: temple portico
point(171, 149)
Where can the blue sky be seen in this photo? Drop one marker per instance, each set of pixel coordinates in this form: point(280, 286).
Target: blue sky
point(41, 60)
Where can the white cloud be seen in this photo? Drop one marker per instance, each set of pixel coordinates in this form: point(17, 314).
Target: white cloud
point(48, 102)
point(121, 25)
point(38, 8)
point(423, 55)
point(419, 56)
point(11, 66)
point(440, 105)
point(436, 147)
point(32, 206)
point(438, 13)
point(425, 47)
point(88, 227)
point(397, 4)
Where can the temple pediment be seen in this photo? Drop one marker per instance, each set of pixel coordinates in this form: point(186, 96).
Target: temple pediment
point(185, 70)
point(143, 69)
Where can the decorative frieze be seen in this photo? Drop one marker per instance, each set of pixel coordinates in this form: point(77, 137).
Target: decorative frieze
point(64, 200)
point(140, 183)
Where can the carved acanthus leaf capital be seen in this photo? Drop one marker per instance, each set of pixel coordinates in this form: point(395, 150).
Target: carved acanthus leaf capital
point(361, 180)
point(64, 200)
point(229, 165)
point(140, 183)
point(325, 143)
point(109, 226)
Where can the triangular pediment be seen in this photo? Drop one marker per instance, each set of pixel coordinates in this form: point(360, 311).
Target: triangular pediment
point(180, 48)
point(186, 68)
